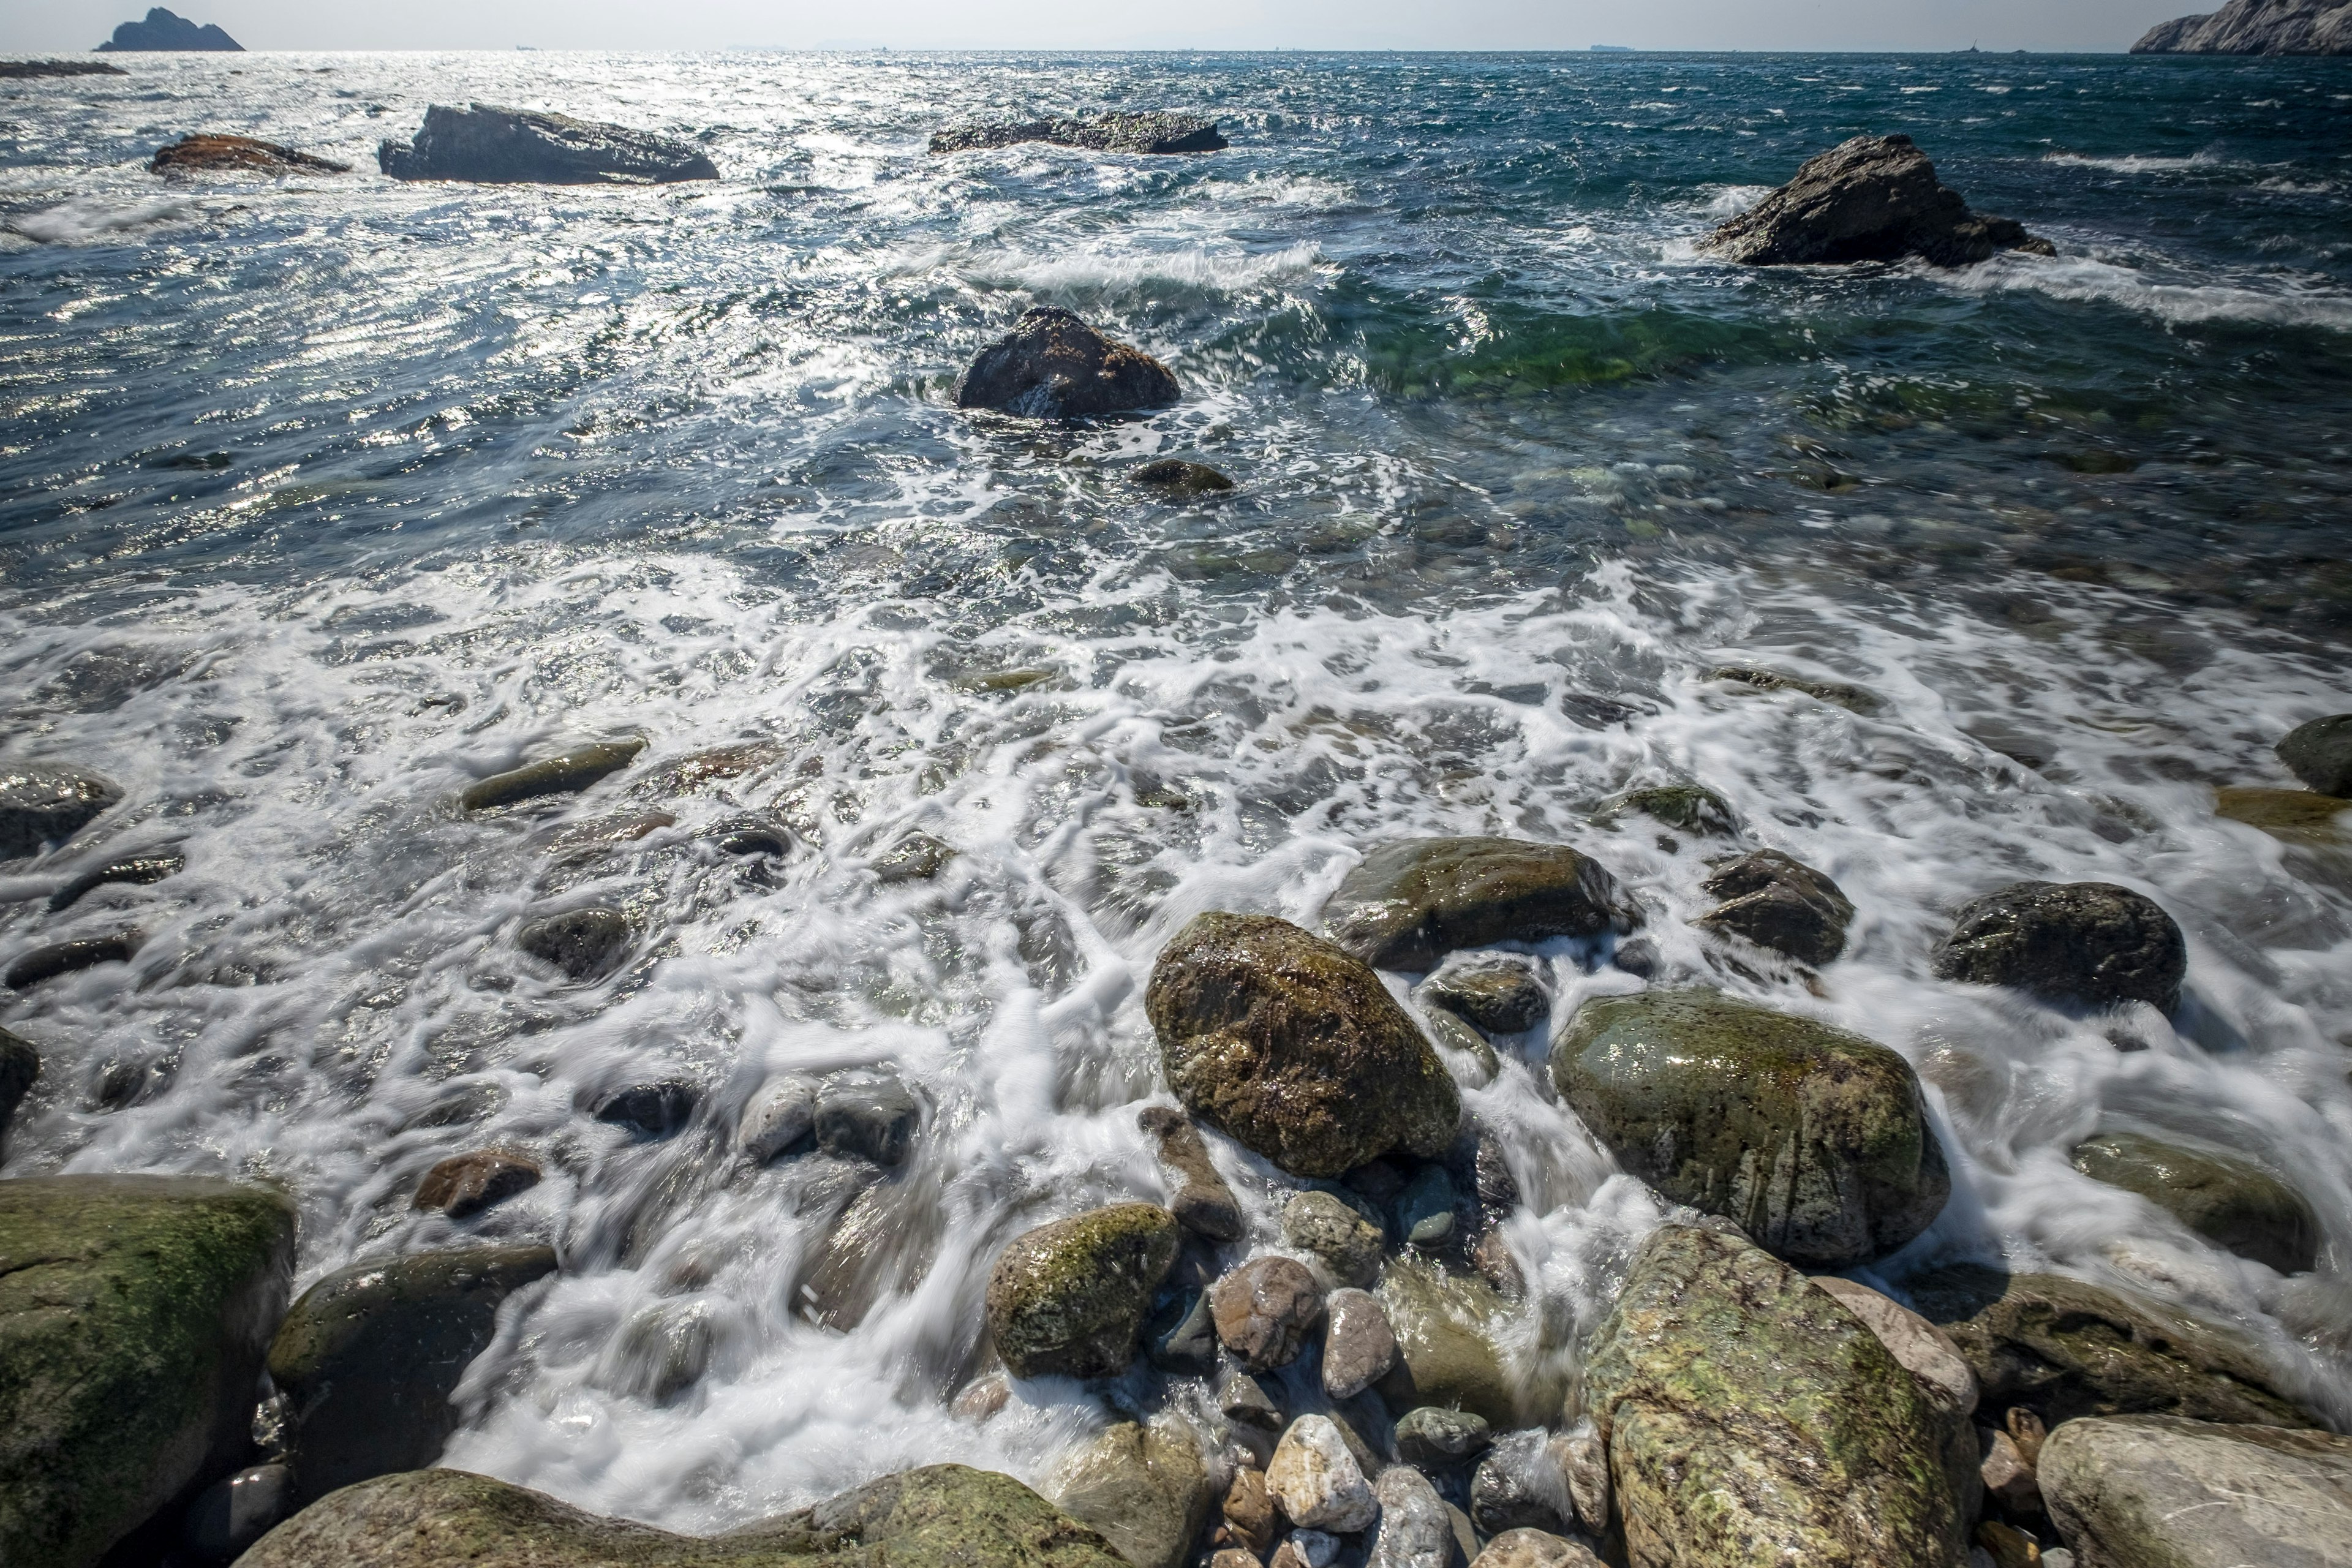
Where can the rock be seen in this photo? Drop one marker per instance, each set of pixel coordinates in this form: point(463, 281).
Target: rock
point(1409, 903)
point(205, 152)
point(1067, 1298)
point(2063, 1349)
point(1425, 1210)
point(1415, 1532)
point(1248, 1510)
point(870, 1117)
point(1445, 1349)
point(368, 1357)
point(782, 1114)
point(1637, 957)
point(1307, 1549)
point(67, 957)
point(1202, 1201)
point(163, 30)
point(1244, 1400)
point(25, 70)
point(1853, 698)
point(568, 774)
point(1315, 1482)
point(136, 871)
point(1053, 365)
point(1516, 1487)
point(945, 1516)
point(1294, 1048)
point(1184, 477)
point(1535, 1549)
point(1494, 992)
point(231, 1514)
point(984, 1398)
point(1813, 1140)
point(1750, 1417)
point(2227, 1201)
point(2256, 28)
point(2292, 816)
point(483, 145)
point(1182, 1337)
point(1265, 1312)
point(20, 1065)
point(649, 1110)
point(1925, 1350)
point(134, 1311)
point(1452, 1034)
point(1490, 1256)
point(2153, 1489)
point(1154, 131)
point(1693, 808)
point(1583, 1463)
point(917, 857)
point(1779, 903)
point(45, 802)
point(583, 943)
point(2320, 753)
point(2089, 943)
point(1874, 198)
point(1234, 1557)
point(1359, 1347)
point(1142, 1488)
point(464, 1185)
point(2007, 1476)
point(749, 834)
point(1434, 1437)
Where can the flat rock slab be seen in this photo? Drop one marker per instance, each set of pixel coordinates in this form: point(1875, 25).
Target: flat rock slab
point(2154, 1491)
point(1154, 131)
point(483, 145)
point(202, 152)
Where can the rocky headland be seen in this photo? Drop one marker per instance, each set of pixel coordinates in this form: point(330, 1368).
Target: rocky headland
point(162, 29)
point(2256, 28)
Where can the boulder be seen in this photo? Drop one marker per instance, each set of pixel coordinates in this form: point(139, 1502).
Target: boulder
point(2256, 28)
point(1053, 365)
point(2227, 1201)
point(1496, 991)
point(1315, 1482)
point(1813, 1140)
point(1142, 1488)
point(1444, 1326)
point(567, 774)
point(134, 1311)
point(1750, 1418)
point(868, 1117)
point(163, 30)
point(648, 1110)
point(2086, 943)
point(20, 1064)
point(2155, 1490)
point(1152, 131)
point(782, 1114)
point(1535, 1549)
point(46, 802)
point(1414, 1530)
point(1201, 1201)
point(68, 957)
point(1265, 1310)
point(1435, 1437)
point(1359, 1346)
point(463, 1186)
point(1779, 902)
point(208, 153)
point(522, 147)
point(1942, 1374)
point(945, 1516)
point(1874, 198)
point(2062, 1348)
point(2320, 753)
point(1177, 475)
point(1068, 1299)
point(583, 943)
point(136, 870)
point(1408, 904)
point(1294, 1048)
point(368, 1357)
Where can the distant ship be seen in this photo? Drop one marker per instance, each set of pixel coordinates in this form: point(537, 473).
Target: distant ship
point(1612, 49)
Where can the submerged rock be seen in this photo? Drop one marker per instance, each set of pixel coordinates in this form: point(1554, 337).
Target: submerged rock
point(1051, 365)
point(208, 153)
point(1201, 1201)
point(1813, 1140)
point(649, 1110)
point(1874, 198)
point(1435, 1437)
point(1750, 1417)
point(368, 1357)
point(1176, 474)
point(1511, 1488)
point(1781, 903)
point(1265, 1310)
point(1409, 903)
point(66, 957)
point(1068, 1297)
point(483, 145)
point(2256, 28)
point(1142, 1488)
point(48, 803)
point(1498, 992)
point(1152, 132)
point(134, 1311)
point(869, 1117)
point(1294, 1048)
point(1444, 1327)
point(25, 70)
point(1694, 808)
point(2153, 1490)
point(136, 870)
point(567, 774)
point(583, 943)
point(463, 1186)
point(1853, 698)
point(2090, 943)
point(2227, 1201)
point(917, 857)
point(2320, 753)
point(1315, 1482)
point(164, 30)
point(2295, 815)
point(782, 1114)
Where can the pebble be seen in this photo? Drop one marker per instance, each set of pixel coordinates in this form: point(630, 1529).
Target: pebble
point(871, 1118)
point(1342, 1240)
point(465, 1184)
point(1432, 1436)
point(1249, 1510)
point(1359, 1346)
point(1265, 1309)
point(583, 943)
point(1524, 1548)
point(782, 1114)
point(1200, 1199)
point(1315, 1482)
point(652, 1110)
point(1415, 1532)
point(984, 1398)
point(2007, 1476)
point(1425, 1211)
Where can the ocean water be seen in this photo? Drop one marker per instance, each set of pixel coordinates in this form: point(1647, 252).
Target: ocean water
point(319, 500)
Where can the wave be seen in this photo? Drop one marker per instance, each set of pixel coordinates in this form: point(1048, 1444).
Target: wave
point(2135, 163)
point(85, 219)
point(2086, 278)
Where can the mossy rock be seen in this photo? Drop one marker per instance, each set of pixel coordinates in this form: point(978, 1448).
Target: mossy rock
point(2292, 816)
point(2091, 944)
point(133, 1315)
point(1143, 1488)
point(1693, 808)
point(2320, 754)
point(2227, 1201)
point(2064, 1347)
point(1068, 1299)
point(1409, 904)
point(1813, 1140)
point(1445, 1327)
point(945, 1516)
point(1498, 993)
point(1751, 1418)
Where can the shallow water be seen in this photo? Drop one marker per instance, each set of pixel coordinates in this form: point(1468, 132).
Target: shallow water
point(319, 500)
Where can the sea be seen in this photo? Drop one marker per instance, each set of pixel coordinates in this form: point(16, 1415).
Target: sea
point(323, 497)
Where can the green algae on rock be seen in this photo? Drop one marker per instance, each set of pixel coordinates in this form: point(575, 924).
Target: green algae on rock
point(1694, 808)
point(2087, 943)
point(1779, 902)
point(1409, 903)
point(2292, 816)
point(1751, 1418)
point(1294, 1048)
point(1498, 992)
point(1069, 1298)
point(133, 1314)
point(2227, 1201)
point(1813, 1140)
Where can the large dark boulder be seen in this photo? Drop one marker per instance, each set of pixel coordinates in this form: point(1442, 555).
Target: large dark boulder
point(1294, 1048)
point(2256, 28)
point(1408, 904)
point(2320, 753)
point(133, 1315)
point(1813, 1140)
point(2227, 1201)
point(163, 30)
point(47, 802)
point(1152, 132)
point(522, 147)
point(1051, 365)
point(1875, 198)
point(1067, 1298)
point(209, 152)
point(2087, 943)
point(368, 1357)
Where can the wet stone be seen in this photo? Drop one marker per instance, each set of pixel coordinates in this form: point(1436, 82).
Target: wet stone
point(1781, 903)
point(917, 857)
point(1509, 1489)
point(504, 146)
point(48, 803)
point(1316, 1480)
point(2320, 754)
point(1852, 698)
point(749, 835)
point(69, 957)
point(1435, 1437)
point(205, 152)
point(1068, 1297)
point(1497, 993)
point(567, 774)
point(1248, 1510)
point(1425, 1209)
point(1201, 1201)
point(781, 1115)
point(2087, 943)
point(1053, 365)
point(20, 1065)
point(650, 1110)
point(136, 871)
point(1415, 1532)
point(465, 1184)
point(1691, 808)
point(869, 1119)
point(1341, 1238)
point(1180, 476)
point(1181, 1337)
point(583, 943)
point(2229, 1202)
point(1244, 1400)
point(1265, 1310)
point(1408, 904)
point(1359, 1346)
point(231, 1514)
point(1535, 1549)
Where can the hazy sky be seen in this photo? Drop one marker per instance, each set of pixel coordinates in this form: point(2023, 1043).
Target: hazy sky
point(27, 25)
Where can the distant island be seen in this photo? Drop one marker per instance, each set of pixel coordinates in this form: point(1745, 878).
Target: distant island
point(164, 30)
point(2257, 28)
point(1613, 48)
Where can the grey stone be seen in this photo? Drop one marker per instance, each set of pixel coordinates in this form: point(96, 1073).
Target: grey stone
point(1181, 1336)
point(463, 1186)
point(782, 1114)
point(1874, 198)
point(1498, 992)
point(1434, 1437)
point(1426, 1208)
point(1315, 1482)
point(2256, 28)
point(1053, 365)
point(1415, 1532)
point(1142, 1488)
point(1583, 1463)
point(135, 870)
point(1409, 903)
point(58, 958)
point(2153, 1491)
point(1341, 1239)
point(1779, 903)
point(1265, 1310)
point(583, 943)
point(1184, 477)
point(1535, 1549)
point(871, 1118)
point(20, 1065)
point(567, 774)
point(917, 857)
point(1517, 1487)
point(649, 1110)
point(2088, 943)
point(2320, 753)
point(1359, 1347)
point(483, 145)
point(2229, 1202)
point(1201, 1201)
point(1243, 1399)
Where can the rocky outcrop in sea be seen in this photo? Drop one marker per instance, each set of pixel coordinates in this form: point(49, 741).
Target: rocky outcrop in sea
point(1875, 198)
point(2256, 28)
point(162, 29)
point(24, 71)
point(523, 147)
point(204, 152)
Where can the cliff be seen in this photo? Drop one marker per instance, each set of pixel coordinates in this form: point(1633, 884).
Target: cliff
point(2257, 28)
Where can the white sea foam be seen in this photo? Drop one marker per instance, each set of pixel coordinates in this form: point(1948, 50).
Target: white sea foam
point(88, 220)
point(2086, 278)
point(2135, 163)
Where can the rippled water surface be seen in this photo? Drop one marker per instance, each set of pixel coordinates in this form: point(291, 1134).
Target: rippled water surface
point(321, 499)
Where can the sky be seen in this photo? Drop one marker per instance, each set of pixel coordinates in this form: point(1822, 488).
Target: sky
point(73, 26)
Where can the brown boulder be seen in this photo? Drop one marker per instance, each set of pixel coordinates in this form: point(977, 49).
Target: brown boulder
point(204, 152)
